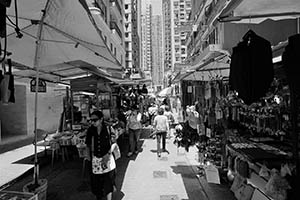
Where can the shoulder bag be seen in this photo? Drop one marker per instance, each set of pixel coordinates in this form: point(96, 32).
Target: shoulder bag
point(101, 165)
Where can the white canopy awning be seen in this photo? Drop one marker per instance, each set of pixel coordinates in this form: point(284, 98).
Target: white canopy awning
point(165, 92)
point(212, 62)
point(69, 38)
point(256, 11)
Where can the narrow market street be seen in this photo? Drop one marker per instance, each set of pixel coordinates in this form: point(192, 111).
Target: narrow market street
point(149, 100)
point(142, 176)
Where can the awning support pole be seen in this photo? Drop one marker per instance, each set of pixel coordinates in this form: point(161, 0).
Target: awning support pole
point(36, 66)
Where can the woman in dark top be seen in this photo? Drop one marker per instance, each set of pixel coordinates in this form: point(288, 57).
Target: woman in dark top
point(99, 144)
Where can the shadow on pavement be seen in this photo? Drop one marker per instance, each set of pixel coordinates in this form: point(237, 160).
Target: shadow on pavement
point(205, 190)
point(122, 165)
point(65, 181)
point(191, 183)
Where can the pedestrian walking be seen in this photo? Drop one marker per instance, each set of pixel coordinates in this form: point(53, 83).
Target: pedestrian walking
point(98, 141)
point(169, 114)
point(161, 127)
point(134, 127)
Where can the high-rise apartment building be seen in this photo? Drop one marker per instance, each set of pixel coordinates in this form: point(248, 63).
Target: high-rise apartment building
point(146, 57)
point(157, 51)
point(132, 35)
point(176, 27)
point(167, 30)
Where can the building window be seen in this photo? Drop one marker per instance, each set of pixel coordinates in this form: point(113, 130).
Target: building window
point(182, 51)
point(126, 6)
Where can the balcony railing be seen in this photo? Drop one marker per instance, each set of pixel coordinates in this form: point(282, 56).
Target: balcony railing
point(116, 2)
point(114, 25)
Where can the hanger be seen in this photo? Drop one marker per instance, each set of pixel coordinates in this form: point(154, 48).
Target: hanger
point(248, 36)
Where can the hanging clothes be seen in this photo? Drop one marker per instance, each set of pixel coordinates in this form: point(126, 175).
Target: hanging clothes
point(7, 87)
point(290, 59)
point(251, 67)
point(207, 90)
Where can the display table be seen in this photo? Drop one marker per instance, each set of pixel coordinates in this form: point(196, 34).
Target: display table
point(12, 195)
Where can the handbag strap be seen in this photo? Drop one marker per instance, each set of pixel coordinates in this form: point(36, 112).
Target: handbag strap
point(93, 146)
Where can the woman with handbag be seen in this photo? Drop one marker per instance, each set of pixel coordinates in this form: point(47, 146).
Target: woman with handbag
point(98, 141)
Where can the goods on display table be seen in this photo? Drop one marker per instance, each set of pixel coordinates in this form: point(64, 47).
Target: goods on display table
point(12, 195)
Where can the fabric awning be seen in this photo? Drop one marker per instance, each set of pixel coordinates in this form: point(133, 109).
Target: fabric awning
point(209, 54)
point(212, 62)
point(70, 39)
point(256, 11)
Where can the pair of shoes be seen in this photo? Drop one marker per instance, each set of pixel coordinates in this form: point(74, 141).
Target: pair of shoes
point(129, 154)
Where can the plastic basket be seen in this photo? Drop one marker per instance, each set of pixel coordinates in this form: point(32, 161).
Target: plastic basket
point(41, 191)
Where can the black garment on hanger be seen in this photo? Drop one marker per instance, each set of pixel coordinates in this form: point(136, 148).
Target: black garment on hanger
point(290, 59)
point(11, 84)
point(251, 67)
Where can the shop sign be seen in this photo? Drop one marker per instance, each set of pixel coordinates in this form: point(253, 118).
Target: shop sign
point(41, 87)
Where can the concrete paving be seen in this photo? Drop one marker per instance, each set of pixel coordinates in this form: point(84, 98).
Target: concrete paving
point(143, 176)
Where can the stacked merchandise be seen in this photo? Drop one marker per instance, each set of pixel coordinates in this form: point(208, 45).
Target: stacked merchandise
point(260, 171)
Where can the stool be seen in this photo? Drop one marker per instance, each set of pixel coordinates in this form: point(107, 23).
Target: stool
point(54, 147)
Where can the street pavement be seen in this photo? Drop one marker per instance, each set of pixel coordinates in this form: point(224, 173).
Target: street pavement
point(142, 176)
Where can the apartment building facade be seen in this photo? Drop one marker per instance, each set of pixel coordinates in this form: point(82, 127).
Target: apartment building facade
point(157, 51)
point(177, 25)
point(146, 40)
point(109, 15)
point(132, 28)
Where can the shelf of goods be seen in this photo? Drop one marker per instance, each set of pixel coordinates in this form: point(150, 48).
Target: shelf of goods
point(246, 160)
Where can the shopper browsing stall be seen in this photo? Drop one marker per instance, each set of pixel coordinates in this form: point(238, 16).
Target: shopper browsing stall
point(134, 127)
